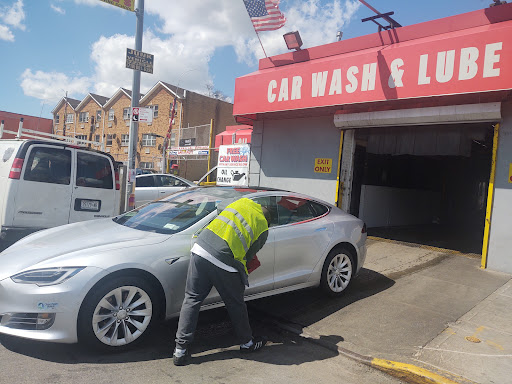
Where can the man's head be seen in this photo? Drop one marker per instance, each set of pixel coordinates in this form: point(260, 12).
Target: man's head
point(266, 212)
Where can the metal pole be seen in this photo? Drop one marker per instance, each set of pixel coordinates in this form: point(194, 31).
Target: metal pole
point(1, 129)
point(134, 125)
point(210, 149)
point(20, 129)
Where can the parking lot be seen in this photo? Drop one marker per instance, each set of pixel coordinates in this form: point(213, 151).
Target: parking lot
point(403, 299)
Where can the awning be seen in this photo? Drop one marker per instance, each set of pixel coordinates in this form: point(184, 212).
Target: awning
point(234, 134)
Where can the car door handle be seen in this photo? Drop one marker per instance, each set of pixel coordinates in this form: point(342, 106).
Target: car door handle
point(320, 229)
point(171, 260)
point(163, 192)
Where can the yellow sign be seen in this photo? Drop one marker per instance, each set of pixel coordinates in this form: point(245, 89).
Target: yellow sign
point(510, 173)
point(323, 165)
point(129, 5)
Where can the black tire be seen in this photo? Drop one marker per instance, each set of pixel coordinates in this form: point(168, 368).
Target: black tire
point(118, 326)
point(336, 278)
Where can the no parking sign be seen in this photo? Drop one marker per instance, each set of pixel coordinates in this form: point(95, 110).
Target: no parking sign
point(142, 115)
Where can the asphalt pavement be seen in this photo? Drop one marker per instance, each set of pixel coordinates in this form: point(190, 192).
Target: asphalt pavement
point(421, 313)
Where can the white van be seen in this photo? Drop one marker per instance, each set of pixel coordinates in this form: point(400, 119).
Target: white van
point(44, 184)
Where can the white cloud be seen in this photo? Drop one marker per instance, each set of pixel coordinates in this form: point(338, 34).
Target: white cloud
point(5, 33)
point(186, 38)
point(53, 85)
point(12, 17)
point(58, 9)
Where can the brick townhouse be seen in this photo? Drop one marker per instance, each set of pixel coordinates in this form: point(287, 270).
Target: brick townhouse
point(107, 120)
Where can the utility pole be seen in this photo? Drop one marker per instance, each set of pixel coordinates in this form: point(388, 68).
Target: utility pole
point(134, 125)
point(65, 114)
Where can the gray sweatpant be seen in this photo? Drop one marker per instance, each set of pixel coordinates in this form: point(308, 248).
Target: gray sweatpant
point(201, 277)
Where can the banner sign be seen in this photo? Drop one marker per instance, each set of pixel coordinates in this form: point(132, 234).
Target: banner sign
point(469, 61)
point(129, 5)
point(189, 151)
point(233, 166)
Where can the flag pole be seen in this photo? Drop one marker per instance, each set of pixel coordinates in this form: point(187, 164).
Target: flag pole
point(257, 34)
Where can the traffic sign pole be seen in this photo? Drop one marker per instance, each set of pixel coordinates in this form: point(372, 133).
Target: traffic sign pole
point(134, 125)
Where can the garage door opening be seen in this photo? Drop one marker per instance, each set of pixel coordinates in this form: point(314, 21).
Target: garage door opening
point(424, 184)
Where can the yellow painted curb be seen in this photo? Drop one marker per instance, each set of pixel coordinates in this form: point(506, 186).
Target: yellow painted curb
point(409, 372)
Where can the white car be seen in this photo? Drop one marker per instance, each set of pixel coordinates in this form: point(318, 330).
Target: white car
point(154, 186)
point(105, 282)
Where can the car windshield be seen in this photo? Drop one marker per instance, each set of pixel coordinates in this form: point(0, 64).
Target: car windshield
point(179, 211)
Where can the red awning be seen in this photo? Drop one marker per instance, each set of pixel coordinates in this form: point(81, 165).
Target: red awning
point(242, 135)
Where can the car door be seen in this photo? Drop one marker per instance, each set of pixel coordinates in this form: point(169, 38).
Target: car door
point(146, 189)
point(94, 187)
point(301, 238)
point(43, 198)
point(168, 184)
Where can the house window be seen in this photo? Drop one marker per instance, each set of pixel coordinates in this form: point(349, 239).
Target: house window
point(111, 115)
point(57, 119)
point(84, 117)
point(173, 139)
point(81, 137)
point(70, 118)
point(125, 140)
point(109, 140)
point(98, 115)
point(126, 113)
point(146, 165)
point(155, 110)
point(97, 138)
point(148, 140)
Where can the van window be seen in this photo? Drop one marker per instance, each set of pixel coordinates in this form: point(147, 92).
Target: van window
point(93, 171)
point(48, 165)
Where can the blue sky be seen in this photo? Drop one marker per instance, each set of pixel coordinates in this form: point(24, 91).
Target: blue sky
point(49, 47)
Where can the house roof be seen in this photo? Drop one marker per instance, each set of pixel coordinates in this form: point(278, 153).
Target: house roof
point(100, 100)
point(180, 93)
point(73, 103)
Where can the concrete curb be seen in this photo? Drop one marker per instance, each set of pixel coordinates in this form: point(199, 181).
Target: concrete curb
point(406, 372)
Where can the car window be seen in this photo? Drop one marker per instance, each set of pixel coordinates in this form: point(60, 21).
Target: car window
point(169, 181)
point(93, 171)
point(49, 165)
point(177, 212)
point(145, 181)
point(269, 202)
point(295, 209)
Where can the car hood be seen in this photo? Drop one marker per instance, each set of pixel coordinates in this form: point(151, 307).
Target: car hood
point(95, 236)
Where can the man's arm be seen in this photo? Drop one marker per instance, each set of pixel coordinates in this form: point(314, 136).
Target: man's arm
point(258, 244)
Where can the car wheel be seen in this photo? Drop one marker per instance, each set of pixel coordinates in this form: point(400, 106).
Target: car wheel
point(337, 271)
point(117, 313)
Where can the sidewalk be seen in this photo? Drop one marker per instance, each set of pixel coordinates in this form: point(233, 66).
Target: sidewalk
point(414, 311)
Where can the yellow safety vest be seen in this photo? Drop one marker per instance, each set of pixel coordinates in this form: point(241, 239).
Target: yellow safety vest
point(240, 225)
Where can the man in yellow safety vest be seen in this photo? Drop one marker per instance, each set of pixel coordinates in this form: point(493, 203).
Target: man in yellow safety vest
point(219, 259)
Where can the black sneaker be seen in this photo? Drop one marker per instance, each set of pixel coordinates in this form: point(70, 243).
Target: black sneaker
point(181, 360)
point(257, 344)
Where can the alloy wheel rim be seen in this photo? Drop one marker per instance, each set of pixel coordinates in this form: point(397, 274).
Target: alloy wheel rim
point(122, 316)
point(339, 272)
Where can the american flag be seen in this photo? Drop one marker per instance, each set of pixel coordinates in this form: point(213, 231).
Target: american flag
point(265, 14)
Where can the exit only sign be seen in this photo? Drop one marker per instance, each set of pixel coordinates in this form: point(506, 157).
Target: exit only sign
point(323, 165)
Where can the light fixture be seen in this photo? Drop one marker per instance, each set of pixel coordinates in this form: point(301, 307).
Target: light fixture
point(293, 40)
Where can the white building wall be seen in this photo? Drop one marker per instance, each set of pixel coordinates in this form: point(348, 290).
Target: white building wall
point(283, 155)
point(499, 257)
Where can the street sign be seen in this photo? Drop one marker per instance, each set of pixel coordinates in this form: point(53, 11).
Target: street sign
point(129, 5)
point(139, 61)
point(142, 115)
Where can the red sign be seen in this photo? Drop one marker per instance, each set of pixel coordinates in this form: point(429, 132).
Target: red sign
point(468, 61)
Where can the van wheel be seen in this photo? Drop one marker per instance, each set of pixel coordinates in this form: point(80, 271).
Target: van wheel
point(337, 271)
point(117, 314)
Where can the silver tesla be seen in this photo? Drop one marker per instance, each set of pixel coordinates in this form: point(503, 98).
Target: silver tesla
point(106, 282)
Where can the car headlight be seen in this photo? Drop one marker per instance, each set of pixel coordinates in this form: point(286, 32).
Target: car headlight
point(46, 276)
